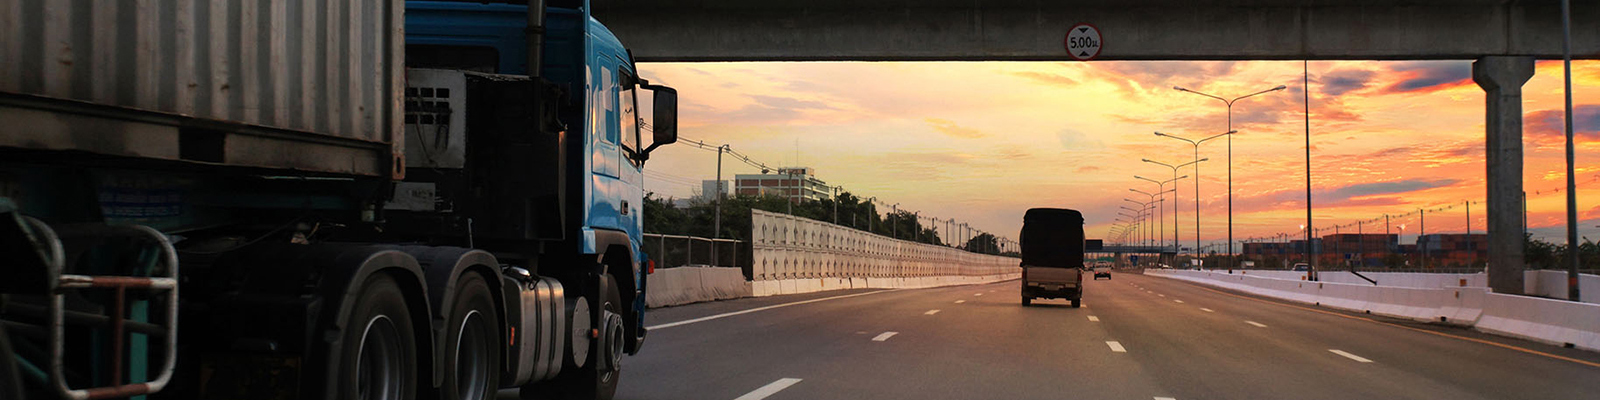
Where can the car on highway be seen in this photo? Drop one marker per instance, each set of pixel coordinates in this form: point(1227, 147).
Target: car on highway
point(1301, 267)
point(1052, 255)
point(1102, 272)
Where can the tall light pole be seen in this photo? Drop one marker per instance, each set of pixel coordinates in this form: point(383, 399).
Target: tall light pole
point(1196, 144)
point(1572, 186)
point(717, 224)
point(1134, 221)
point(1175, 242)
point(1149, 212)
point(1161, 218)
point(1144, 209)
point(1230, 156)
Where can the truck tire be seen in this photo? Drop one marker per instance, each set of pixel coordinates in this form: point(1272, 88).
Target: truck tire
point(1077, 303)
point(378, 355)
point(596, 380)
point(472, 360)
point(1027, 301)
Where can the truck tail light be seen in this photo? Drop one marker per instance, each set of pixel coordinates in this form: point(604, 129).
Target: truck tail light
point(650, 267)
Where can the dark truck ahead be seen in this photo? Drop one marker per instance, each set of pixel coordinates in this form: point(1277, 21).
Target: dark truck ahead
point(1052, 255)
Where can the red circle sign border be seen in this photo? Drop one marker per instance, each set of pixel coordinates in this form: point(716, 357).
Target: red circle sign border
point(1096, 31)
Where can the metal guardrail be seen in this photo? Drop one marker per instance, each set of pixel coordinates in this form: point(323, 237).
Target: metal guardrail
point(671, 251)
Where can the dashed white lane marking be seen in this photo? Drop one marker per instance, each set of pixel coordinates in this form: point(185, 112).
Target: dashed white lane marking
point(884, 336)
point(1165, 398)
point(1162, 295)
point(769, 389)
point(1257, 324)
point(1349, 356)
point(1094, 318)
point(730, 314)
point(1116, 347)
point(1206, 309)
point(1178, 301)
point(960, 301)
point(977, 294)
point(931, 312)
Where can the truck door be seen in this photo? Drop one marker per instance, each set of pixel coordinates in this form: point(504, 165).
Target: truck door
point(605, 157)
point(631, 170)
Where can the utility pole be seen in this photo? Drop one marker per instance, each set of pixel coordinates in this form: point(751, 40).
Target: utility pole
point(894, 224)
point(717, 225)
point(835, 205)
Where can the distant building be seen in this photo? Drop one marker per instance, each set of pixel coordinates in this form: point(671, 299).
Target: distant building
point(795, 183)
point(709, 189)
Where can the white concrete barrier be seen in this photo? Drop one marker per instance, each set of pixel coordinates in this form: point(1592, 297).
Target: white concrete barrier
point(684, 285)
point(1552, 321)
point(798, 255)
point(1553, 284)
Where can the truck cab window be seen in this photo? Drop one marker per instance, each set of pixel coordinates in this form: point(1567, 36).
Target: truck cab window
point(628, 115)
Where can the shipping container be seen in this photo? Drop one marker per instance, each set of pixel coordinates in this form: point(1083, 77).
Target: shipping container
point(307, 85)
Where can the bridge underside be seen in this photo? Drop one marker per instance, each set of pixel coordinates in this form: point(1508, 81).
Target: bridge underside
point(1019, 30)
point(1502, 36)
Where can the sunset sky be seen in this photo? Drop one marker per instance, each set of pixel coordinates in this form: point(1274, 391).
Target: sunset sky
point(984, 141)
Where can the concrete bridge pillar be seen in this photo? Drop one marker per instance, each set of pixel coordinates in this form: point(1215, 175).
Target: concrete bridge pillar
point(1501, 78)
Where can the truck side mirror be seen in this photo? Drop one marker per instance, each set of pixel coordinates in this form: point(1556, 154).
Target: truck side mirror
point(665, 127)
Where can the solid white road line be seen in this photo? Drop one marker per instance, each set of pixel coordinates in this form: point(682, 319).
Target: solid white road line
point(1178, 301)
point(1116, 347)
point(725, 315)
point(884, 336)
point(960, 301)
point(1257, 324)
point(1094, 318)
point(1206, 309)
point(931, 312)
point(769, 389)
point(1349, 356)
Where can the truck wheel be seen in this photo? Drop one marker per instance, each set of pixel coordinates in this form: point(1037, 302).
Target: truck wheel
point(472, 362)
point(1027, 301)
point(597, 380)
point(378, 358)
point(1077, 303)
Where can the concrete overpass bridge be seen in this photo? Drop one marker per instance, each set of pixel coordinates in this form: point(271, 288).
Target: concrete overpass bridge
point(1503, 38)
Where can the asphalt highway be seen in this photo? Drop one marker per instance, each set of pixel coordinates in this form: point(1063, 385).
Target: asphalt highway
point(1137, 337)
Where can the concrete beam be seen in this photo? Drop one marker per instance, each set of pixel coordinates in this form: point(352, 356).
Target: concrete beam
point(878, 30)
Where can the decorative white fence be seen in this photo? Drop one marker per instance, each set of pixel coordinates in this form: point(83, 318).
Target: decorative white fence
point(789, 247)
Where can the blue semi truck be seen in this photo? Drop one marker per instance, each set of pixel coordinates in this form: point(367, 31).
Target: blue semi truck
point(334, 199)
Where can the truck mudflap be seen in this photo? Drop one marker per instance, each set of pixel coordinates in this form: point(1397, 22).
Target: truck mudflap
point(39, 255)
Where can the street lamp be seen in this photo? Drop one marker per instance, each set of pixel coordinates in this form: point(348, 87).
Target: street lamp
point(1144, 209)
point(1133, 223)
point(1196, 144)
point(1230, 156)
point(1175, 242)
point(1161, 219)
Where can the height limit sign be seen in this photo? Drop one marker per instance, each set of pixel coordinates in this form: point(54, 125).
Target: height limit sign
point(1083, 42)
